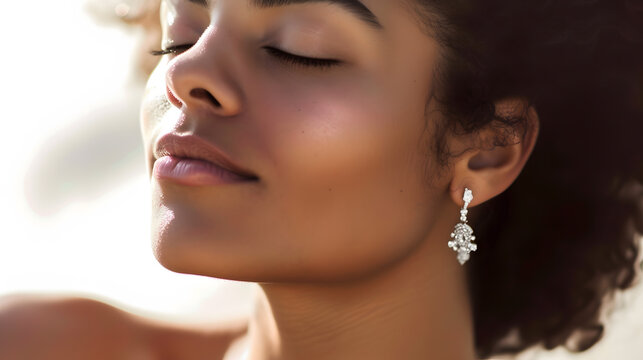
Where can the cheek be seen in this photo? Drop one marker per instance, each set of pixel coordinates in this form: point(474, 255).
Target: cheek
point(150, 103)
point(347, 175)
point(154, 107)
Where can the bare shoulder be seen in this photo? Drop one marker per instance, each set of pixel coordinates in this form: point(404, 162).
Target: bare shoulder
point(191, 342)
point(62, 327)
point(58, 327)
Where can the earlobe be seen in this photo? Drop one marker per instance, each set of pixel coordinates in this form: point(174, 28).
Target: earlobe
point(492, 167)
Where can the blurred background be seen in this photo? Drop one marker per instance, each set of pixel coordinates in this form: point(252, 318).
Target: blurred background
point(74, 199)
point(74, 202)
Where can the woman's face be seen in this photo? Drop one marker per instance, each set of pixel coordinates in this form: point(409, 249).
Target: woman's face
point(339, 151)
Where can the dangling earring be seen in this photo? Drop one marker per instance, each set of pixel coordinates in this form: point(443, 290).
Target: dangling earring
point(462, 234)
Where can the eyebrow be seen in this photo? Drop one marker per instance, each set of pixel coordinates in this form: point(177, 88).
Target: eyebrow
point(355, 7)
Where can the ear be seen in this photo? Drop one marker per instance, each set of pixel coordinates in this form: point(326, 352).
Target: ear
point(487, 168)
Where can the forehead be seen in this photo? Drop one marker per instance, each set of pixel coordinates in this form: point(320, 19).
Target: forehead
point(392, 20)
point(355, 7)
point(364, 10)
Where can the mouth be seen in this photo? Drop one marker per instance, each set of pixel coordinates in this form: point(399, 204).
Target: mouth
point(191, 160)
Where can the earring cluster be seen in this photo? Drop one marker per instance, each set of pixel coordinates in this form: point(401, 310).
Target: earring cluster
point(462, 234)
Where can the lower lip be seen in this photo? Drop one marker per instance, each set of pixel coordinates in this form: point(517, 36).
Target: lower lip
point(194, 172)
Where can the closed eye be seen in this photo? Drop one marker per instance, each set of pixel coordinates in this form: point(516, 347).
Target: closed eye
point(297, 60)
point(288, 58)
point(171, 50)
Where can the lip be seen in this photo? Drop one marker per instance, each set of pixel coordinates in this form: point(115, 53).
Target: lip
point(194, 149)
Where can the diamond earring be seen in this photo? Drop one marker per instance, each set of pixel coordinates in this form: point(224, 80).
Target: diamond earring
point(462, 234)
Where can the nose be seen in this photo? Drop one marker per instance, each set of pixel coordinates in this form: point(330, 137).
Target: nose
point(201, 77)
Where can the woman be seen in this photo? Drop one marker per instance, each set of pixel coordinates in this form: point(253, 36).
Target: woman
point(420, 179)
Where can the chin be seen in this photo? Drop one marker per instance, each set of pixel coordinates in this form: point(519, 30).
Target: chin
point(210, 255)
point(187, 239)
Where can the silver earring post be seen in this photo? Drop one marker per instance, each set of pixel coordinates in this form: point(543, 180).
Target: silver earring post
point(462, 234)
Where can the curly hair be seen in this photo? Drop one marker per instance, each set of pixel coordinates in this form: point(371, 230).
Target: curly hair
point(564, 235)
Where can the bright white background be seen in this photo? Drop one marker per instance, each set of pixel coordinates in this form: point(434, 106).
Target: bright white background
point(74, 202)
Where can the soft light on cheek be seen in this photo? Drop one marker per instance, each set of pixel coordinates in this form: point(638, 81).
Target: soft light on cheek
point(343, 115)
point(155, 103)
point(156, 80)
point(343, 137)
point(365, 132)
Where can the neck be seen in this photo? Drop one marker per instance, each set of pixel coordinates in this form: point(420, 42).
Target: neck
point(416, 309)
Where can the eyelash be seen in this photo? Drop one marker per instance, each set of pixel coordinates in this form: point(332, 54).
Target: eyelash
point(171, 50)
point(301, 60)
point(283, 56)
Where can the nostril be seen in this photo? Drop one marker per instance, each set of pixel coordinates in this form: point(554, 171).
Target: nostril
point(201, 93)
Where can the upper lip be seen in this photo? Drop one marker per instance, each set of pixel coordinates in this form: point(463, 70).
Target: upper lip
point(192, 146)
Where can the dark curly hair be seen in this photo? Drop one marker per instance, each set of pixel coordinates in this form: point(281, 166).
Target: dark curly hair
point(564, 235)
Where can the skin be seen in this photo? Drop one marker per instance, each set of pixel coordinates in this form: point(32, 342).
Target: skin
point(70, 328)
point(345, 232)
